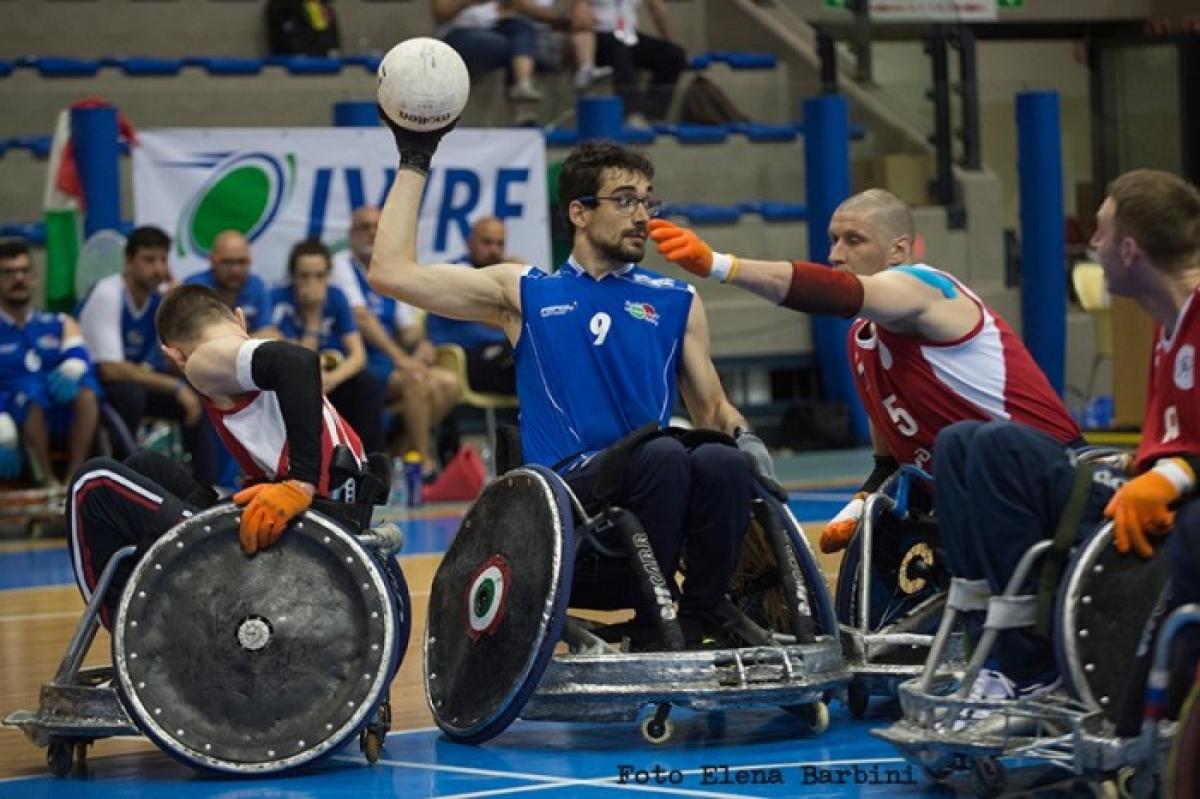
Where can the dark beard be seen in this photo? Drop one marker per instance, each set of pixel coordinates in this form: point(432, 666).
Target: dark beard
point(620, 252)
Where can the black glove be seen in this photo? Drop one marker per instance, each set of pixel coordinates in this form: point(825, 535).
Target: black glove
point(416, 148)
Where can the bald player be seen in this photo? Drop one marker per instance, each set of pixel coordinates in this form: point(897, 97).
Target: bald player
point(229, 275)
point(926, 351)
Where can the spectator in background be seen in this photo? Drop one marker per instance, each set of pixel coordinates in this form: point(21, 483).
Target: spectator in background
point(317, 315)
point(620, 45)
point(302, 27)
point(229, 273)
point(490, 365)
point(420, 392)
point(490, 34)
point(117, 319)
point(578, 42)
point(48, 388)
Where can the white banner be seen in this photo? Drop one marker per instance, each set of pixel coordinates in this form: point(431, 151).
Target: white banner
point(281, 185)
point(933, 10)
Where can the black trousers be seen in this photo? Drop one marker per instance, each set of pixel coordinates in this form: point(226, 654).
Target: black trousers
point(111, 505)
point(133, 403)
point(664, 60)
point(491, 368)
point(695, 498)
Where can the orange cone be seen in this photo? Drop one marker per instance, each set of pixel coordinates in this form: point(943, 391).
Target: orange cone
point(461, 480)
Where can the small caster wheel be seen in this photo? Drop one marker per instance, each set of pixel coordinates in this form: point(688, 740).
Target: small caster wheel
point(937, 775)
point(814, 715)
point(1123, 783)
point(987, 777)
point(858, 698)
point(80, 765)
point(370, 745)
point(657, 732)
point(60, 756)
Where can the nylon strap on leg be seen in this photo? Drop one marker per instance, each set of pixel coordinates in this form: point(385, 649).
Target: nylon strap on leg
point(1064, 538)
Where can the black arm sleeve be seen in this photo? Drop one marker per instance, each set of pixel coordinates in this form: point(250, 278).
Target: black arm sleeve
point(294, 374)
point(884, 466)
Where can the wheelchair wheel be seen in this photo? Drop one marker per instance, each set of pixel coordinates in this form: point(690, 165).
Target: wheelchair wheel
point(814, 715)
point(657, 732)
point(858, 698)
point(905, 587)
point(60, 756)
point(988, 777)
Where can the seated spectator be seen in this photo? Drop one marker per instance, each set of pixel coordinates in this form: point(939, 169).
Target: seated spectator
point(620, 45)
point(421, 393)
point(491, 34)
point(576, 45)
point(317, 315)
point(117, 319)
point(490, 364)
point(48, 388)
point(229, 273)
point(302, 27)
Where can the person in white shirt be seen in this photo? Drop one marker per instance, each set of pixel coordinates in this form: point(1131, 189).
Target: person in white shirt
point(624, 48)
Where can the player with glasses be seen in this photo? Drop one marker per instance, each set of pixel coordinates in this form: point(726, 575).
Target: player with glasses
point(602, 346)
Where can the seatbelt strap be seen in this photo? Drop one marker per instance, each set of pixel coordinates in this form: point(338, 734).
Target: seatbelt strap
point(1064, 538)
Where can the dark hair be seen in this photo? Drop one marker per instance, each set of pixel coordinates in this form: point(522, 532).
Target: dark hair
point(147, 237)
point(1161, 212)
point(188, 309)
point(583, 171)
point(13, 248)
point(308, 247)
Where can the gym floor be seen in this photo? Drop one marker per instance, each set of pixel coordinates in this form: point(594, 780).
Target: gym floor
point(716, 754)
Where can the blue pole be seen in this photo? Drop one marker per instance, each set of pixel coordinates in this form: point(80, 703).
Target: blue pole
point(600, 118)
point(355, 114)
point(94, 134)
point(1043, 233)
point(827, 166)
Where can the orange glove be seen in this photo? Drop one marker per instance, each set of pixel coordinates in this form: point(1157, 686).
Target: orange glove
point(1141, 506)
point(837, 534)
point(684, 248)
point(268, 507)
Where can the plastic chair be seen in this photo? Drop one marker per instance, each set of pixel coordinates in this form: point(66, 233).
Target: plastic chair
point(1088, 279)
point(454, 358)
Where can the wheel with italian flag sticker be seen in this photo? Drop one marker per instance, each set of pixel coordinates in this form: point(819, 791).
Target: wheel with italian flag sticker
point(498, 603)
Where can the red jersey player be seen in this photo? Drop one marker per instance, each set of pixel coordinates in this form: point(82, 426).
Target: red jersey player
point(926, 352)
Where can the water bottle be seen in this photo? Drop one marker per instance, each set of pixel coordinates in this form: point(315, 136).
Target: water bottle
point(412, 477)
point(398, 496)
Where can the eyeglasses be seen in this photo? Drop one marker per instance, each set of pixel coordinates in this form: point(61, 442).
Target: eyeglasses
point(626, 204)
point(19, 272)
point(233, 261)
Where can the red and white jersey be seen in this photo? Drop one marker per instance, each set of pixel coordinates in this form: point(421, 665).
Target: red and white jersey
point(1172, 422)
point(256, 436)
point(913, 387)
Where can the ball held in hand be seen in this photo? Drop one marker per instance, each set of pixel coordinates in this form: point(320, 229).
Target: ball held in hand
point(423, 84)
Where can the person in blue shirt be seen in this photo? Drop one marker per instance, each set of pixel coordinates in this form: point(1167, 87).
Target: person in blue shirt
point(318, 316)
point(399, 356)
point(117, 319)
point(230, 275)
point(48, 388)
point(490, 363)
point(602, 348)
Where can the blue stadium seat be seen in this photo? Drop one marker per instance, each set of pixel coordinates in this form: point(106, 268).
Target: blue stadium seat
point(639, 135)
point(39, 146)
point(775, 211)
point(695, 134)
point(56, 67)
point(6, 67)
point(747, 60)
point(138, 67)
point(307, 65)
point(701, 61)
point(32, 232)
point(561, 137)
point(368, 62)
point(762, 132)
point(222, 66)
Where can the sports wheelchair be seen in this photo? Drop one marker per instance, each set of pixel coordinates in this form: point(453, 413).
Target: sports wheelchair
point(891, 590)
point(500, 642)
point(1102, 606)
point(226, 665)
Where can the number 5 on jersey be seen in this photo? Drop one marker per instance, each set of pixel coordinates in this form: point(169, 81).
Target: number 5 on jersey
point(900, 417)
point(600, 325)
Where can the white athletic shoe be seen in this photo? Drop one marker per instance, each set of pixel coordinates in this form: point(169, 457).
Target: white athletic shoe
point(524, 93)
point(995, 686)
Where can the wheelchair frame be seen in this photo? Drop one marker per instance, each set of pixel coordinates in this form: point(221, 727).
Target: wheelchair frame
point(80, 706)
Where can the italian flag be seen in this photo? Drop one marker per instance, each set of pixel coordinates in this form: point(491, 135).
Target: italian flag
point(64, 225)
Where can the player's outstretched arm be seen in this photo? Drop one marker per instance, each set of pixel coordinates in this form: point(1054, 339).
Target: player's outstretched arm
point(486, 295)
point(895, 298)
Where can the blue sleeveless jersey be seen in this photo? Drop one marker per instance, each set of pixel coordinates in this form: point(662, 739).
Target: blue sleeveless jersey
point(596, 359)
point(28, 354)
point(138, 338)
point(337, 319)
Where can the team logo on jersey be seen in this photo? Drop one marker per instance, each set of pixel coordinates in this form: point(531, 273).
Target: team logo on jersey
point(558, 310)
point(48, 342)
point(1185, 368)
point(33, 361)
point(642, 310)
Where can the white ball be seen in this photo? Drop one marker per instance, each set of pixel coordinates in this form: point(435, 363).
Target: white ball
point(423, 84)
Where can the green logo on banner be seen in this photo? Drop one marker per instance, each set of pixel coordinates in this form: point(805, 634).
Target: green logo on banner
point(1010, 3)
point(243, 194)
